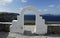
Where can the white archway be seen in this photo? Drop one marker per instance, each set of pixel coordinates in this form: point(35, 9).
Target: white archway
point(29, 8)
point(40, 28)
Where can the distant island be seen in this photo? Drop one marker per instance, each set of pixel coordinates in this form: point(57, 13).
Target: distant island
point(8, 17)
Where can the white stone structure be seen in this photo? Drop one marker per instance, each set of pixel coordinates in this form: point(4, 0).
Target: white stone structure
point(18, 26)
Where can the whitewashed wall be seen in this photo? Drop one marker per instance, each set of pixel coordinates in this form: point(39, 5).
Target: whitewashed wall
point(40, 28)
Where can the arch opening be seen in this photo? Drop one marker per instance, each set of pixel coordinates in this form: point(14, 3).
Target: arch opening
point(29, 18)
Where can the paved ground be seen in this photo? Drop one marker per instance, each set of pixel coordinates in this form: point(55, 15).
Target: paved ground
point(29, 28)
point(16, 35)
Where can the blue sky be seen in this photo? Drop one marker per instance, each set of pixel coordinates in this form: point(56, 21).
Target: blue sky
point(44, 6)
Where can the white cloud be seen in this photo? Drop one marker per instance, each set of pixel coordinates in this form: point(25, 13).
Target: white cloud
point(4, 2)
point(5, 10)
point(51, 6)
point(2, 9)
point(24, 1)
point(58, 6)
point(45, 10)
point(21, 8)
point(40, 10)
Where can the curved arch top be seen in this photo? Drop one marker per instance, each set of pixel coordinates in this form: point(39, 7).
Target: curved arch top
point(30, 8)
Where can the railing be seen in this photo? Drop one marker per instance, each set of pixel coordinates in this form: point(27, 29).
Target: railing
point(5, 22)
point(53, 24)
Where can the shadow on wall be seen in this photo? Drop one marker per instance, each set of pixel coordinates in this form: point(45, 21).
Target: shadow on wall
point(5, 27)
point(4, 34)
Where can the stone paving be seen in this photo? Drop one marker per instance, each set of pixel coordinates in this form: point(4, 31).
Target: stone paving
point(16, 35)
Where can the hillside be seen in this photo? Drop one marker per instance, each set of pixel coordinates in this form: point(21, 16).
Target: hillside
point(7, 17)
